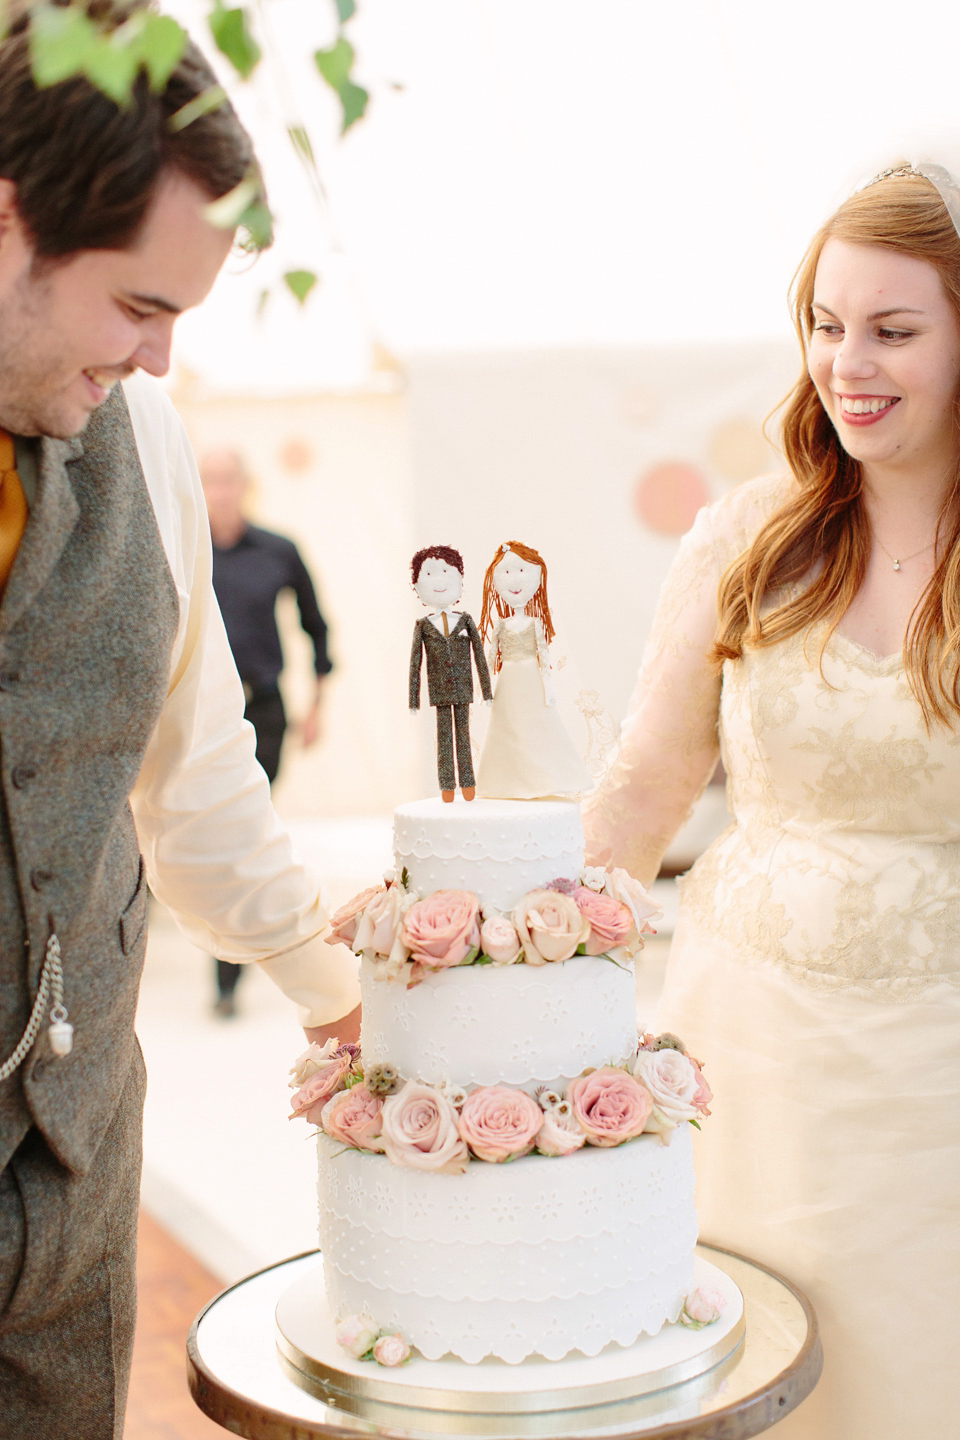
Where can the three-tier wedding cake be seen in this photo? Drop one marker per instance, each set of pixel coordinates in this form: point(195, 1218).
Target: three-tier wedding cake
point(505, 1166)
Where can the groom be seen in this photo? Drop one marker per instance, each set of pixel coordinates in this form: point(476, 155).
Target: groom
point(124, 756)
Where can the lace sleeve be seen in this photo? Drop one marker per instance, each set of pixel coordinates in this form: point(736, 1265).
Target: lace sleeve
point(669, 739)
point(543, 660)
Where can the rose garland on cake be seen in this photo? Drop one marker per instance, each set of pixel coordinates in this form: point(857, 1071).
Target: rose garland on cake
point(405, 935)
point(440, 1128)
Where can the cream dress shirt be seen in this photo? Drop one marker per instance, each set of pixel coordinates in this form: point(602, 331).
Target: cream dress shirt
point(215, 851)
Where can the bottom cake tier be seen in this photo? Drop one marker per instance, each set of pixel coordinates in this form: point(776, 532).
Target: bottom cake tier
point(539, 1256)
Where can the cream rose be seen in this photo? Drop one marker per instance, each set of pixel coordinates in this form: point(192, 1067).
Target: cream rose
point(622, 886)
point(419, 1130)
point(550, 925)
point(561, 1132)
point(345, 921)
point(611, 923)
point(357, 1334)
point(499, 940)
point(442, 929)
point(500, 1124)
point(672, 1082)
point(379, 934)
point(354, 1117)
point(610, 1105)
point(313, 1059)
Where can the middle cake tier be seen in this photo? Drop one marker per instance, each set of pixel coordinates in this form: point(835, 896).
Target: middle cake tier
point(521, 1025)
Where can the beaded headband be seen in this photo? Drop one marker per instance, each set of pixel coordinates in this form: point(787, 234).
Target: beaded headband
point(940, 178)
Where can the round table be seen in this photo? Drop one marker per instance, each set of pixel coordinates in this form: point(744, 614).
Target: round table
point(235, 1375)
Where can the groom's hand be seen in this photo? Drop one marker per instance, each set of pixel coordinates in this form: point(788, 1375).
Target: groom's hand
point(347, 1030)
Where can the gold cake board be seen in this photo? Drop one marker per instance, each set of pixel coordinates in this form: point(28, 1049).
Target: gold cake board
point(493, 1397)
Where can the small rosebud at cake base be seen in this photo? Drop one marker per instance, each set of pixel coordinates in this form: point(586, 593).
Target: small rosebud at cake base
point(357, 1334)
point(702, 1306)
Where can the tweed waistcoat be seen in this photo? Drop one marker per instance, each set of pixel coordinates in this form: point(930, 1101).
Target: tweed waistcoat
point(449, 673)
point(87, 625)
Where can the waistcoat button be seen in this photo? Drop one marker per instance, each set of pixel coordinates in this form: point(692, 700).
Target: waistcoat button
point(39, 878)
point(21, 775)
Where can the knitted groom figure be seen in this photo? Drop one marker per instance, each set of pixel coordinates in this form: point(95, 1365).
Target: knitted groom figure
point(448, 636)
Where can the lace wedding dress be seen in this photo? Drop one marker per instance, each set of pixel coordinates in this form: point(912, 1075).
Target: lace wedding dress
point(527, 754)
point(815, 969)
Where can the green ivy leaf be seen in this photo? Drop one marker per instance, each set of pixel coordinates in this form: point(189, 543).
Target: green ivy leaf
point(346, 9)
point(257, 222)
point(113, 69)
point(226, 213)
point(232, 36)
point(300, 283)
point(61, 39)
point(161, 48)
point(334, 64)
point(354, 101)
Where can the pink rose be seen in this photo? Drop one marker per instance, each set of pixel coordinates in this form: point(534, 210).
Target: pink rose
point(391, 1350)
point(442, 929)
point(353, 1116)
point(610, 1105)
point(313, 1059)
point(610, 922)
point(310, 1099)
point(550, 926)
point(670, 1078)
point(357, 1335)
point(500, 1124)
point(703, 1094)
point(345, 921)
point(702, 1306)
point(499, 940)
point(622, 886)
point(561, 1132)
point(419, 1130)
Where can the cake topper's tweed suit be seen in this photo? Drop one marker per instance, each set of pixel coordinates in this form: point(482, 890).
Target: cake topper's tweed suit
point(450, 690)
point(87, 624)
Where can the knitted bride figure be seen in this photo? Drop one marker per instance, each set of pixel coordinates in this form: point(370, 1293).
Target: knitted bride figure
point(527, 753)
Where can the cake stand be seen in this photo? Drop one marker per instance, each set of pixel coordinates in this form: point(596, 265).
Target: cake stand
point(250, 1370)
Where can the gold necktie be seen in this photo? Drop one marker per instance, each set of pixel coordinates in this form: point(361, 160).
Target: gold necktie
point(446, 627)
point(13, 508)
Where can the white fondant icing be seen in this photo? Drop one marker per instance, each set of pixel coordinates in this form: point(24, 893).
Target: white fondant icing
point(498, 849)
point(539, 1256)
point(520, 1025)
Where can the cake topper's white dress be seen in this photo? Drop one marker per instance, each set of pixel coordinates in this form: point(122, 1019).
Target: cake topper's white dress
point(527, 754)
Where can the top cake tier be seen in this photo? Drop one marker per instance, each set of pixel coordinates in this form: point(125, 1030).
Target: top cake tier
point(497, 849)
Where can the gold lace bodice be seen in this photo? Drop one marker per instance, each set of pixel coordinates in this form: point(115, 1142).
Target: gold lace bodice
point(842, 866)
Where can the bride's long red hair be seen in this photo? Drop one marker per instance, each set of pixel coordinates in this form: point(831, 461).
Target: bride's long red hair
point(494, 605)
point(820, 537)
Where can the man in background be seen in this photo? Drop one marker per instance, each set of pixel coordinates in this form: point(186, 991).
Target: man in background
point(250, 568)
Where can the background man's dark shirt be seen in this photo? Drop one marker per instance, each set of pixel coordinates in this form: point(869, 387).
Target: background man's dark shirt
point(247, 579)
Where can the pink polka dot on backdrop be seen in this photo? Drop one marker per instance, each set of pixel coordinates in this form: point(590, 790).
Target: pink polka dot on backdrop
point(668, 496)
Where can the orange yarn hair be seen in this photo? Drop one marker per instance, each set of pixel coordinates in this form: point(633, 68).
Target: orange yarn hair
point(494, 604)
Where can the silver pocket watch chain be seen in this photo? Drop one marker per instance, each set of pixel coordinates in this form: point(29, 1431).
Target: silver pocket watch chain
point(60, 1031)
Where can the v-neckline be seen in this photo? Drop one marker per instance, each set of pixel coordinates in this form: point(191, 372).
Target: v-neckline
point(877, 662)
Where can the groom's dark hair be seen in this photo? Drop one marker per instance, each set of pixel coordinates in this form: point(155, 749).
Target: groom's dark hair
point(435, 552)
point(86, 168)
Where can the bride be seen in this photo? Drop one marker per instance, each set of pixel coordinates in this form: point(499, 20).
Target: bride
point(527, 754)
point(811, 625)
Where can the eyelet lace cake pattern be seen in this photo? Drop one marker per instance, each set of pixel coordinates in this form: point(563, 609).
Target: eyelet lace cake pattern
point(498, 849)
point(541, 1256)
point(513, 1025)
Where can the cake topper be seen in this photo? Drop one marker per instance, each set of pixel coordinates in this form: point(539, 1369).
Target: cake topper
point(527, 753)
point(448, 636)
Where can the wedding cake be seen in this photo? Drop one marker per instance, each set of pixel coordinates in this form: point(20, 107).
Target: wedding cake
point(499, 1025)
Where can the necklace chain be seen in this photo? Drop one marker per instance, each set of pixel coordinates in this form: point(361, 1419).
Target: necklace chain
point(897, 562)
